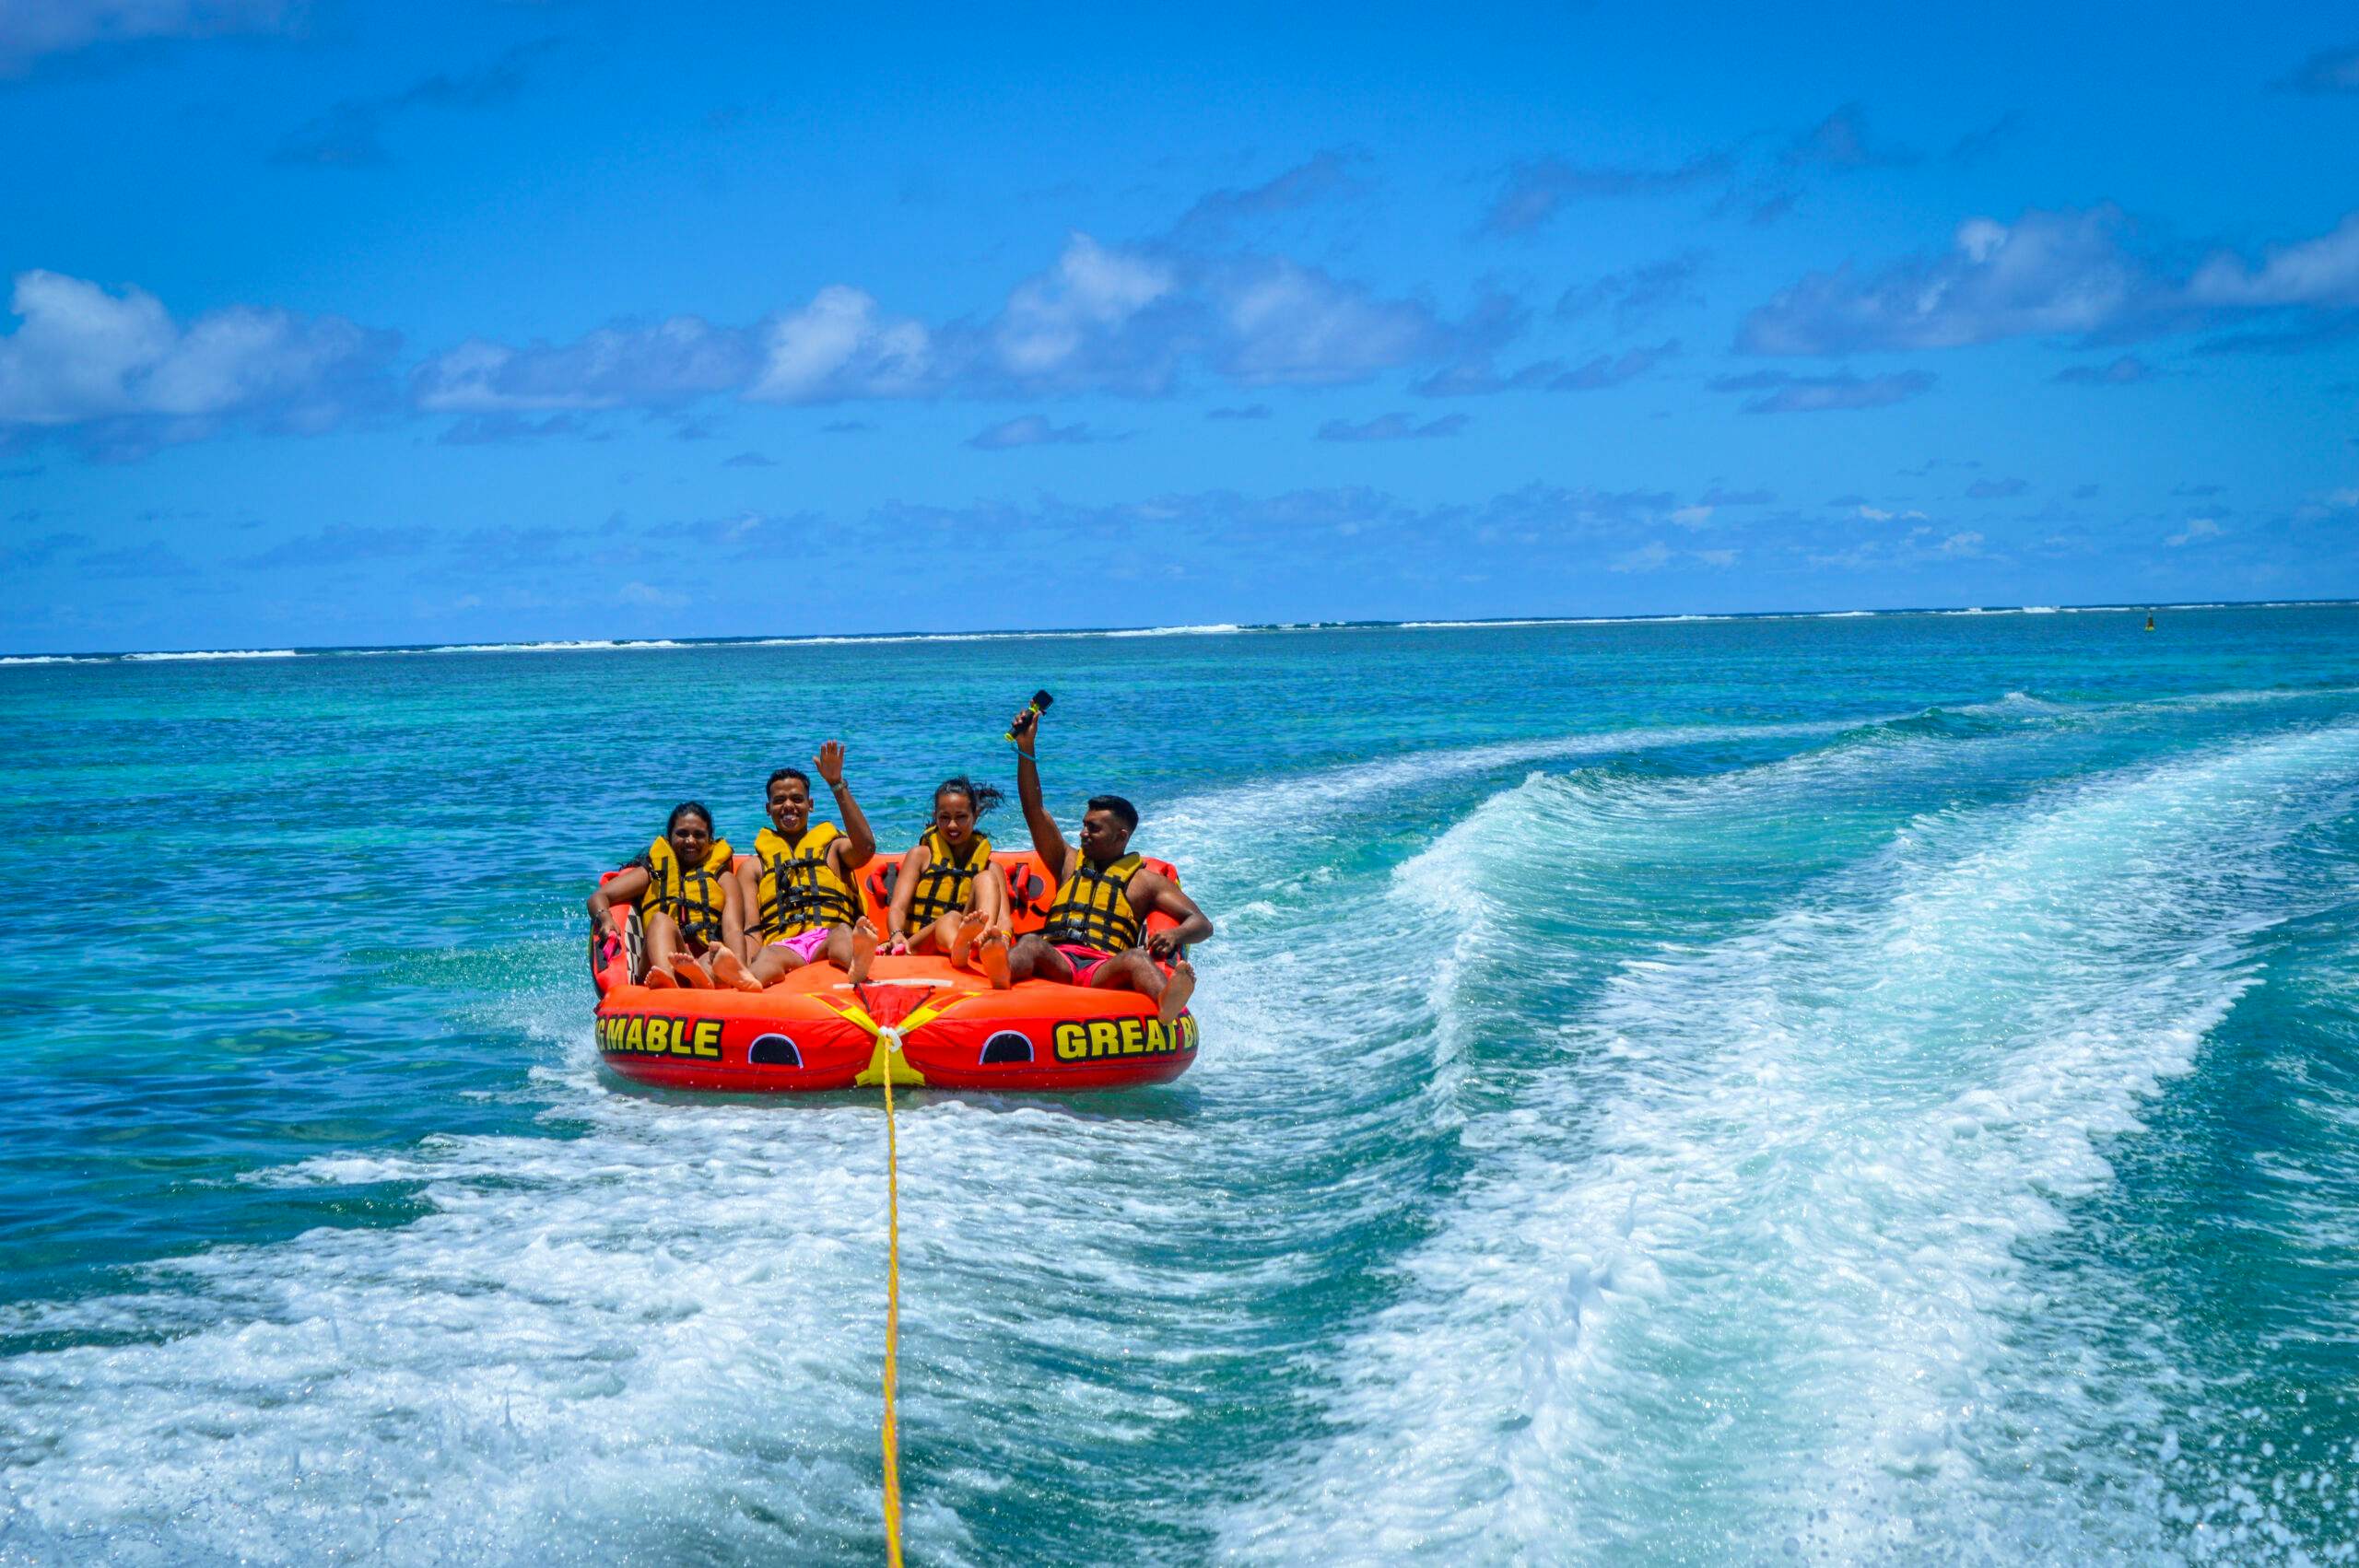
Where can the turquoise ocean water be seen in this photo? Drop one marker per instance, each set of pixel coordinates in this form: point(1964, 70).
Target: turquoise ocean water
point(1847, 1088)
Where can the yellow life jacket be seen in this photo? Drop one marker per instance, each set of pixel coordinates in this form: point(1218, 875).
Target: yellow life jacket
point(799, 891)
point(943, 884)
point(1093, 907)
point(692, 896)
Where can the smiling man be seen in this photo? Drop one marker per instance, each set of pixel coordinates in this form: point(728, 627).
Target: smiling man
point(1104, 896)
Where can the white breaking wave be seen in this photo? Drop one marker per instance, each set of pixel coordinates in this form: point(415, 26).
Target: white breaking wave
point(222, 653)
point(656, 1331)
point(586, 644)
point(1739, 1272)
point(1244, 811)
point(1528, 621)
point(833, 640)
point(1221, 629)
point(653, 1333)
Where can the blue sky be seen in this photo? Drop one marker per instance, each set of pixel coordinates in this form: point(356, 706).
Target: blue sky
point(466, 322)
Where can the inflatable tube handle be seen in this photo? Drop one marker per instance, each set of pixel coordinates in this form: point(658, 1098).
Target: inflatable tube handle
point(617, 960)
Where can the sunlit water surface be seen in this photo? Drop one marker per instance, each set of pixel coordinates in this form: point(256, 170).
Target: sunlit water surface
point(1825, 1090)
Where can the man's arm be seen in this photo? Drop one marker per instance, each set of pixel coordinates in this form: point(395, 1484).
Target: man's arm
point(830, 764)
point(1152, 893)
point(1048, 838)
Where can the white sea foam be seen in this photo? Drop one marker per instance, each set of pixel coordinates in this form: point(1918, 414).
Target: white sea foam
point(653, 1332)
point(41, 658)
point(656, 1330)
point(584, 645)
point(1759, 1224)
point(1221, 628)
point(222, 653)
point(1224, 628)
point(1528, 621)
point(1227, 815)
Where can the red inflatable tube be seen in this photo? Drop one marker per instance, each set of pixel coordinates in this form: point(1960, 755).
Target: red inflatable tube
point(916, 1018)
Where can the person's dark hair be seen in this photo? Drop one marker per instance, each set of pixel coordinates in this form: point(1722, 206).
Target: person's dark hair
point(687, 808)
point(982, 797)
point(794, 773)
point(1125, 813)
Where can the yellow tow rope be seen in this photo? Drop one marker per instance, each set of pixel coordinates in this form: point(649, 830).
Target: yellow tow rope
point(892, 1331)
point(888, 1067)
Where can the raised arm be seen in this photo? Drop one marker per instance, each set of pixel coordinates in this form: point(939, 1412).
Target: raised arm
point(862, 844)
point(1048, 838)
point(1152, 893)
point(627, 886)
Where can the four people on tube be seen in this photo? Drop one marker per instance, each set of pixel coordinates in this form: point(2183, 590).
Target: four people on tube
point(709, 923)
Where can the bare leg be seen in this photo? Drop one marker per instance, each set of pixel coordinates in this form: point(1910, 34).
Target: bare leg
point(1176, 992)
point(1131, 971)
point(730, 969)
point(863, 950)
point(991, 955)
point(963, 933)
point(775, 961)
point(662, 945)
point(1035, 957)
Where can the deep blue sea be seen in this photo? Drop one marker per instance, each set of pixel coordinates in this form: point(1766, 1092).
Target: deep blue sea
point(1835, 1090)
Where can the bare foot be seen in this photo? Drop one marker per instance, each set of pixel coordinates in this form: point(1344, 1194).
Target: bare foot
point(991, 955)
point(1177, 990)
point(730, 970)
point(690, 973)
point(864, 950)
point(963, 935)
point(660, 980)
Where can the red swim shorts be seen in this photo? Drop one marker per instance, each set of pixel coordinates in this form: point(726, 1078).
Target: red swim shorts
point(1085, 960)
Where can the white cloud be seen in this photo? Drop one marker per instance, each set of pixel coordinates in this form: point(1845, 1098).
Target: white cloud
point(1391, 427)
point(2324, 271)
point(1777, 393)
point(613, 367)
point(837, 346)
point(32, 29)
point(1968, 544)
point(2047, 272)
point(1877, 514)
point(1091, 290)
point(1652, 557)
point(1030, 430)
point(1286, 323)
point(1692, 517)
point(84, 355)
point(2197, 528)
point(2058, 274)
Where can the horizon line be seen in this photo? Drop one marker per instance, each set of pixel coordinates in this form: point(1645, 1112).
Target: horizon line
point(1215, 628)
